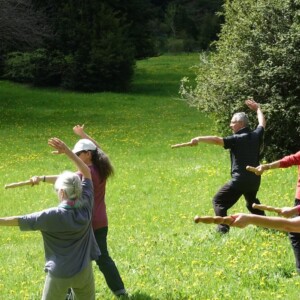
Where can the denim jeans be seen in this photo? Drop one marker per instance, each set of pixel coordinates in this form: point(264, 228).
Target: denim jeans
point(107, 265)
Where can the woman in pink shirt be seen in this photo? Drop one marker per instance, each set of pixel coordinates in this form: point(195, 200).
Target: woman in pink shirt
point(101, 169)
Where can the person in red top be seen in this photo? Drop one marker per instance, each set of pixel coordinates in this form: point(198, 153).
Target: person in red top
point(101, 169)
point(286, 162)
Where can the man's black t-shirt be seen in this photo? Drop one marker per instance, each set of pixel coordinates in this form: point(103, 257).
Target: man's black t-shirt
point(244, 148)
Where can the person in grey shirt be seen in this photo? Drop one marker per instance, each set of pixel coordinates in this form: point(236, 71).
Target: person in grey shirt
point(69, 242)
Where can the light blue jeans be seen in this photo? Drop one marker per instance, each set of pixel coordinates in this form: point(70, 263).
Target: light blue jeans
point(83, 286)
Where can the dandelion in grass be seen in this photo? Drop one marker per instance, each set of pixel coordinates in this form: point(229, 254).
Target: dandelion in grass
point(219, 273)
point(262, 281)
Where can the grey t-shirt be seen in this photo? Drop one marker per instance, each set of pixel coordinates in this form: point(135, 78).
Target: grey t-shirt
point(69, 240)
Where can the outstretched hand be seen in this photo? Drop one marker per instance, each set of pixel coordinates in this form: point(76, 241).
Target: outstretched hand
point(256, 170)
point(57, 144)
point(34, 180)
point(241, 220)
point(288, 212)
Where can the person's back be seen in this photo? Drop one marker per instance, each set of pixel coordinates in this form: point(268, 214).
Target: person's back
point(68, 238)
point(245, 147)
point(69, 242)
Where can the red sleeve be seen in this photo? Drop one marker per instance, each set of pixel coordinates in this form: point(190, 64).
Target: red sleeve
point(290, 160)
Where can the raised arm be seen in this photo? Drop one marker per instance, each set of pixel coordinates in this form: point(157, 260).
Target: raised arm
point(61, 147)
point(256, 107)
point(79, 130)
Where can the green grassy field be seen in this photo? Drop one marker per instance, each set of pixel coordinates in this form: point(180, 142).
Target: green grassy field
point(152, 199)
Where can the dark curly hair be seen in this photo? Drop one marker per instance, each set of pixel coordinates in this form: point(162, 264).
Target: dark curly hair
point(102, 163)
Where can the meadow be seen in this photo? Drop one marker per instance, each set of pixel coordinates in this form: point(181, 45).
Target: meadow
point(152, 199)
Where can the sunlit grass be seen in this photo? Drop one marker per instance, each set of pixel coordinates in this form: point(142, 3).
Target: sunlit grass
point(152, 199)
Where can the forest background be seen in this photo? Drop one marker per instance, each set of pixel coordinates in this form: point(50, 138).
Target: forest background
point(93, 46)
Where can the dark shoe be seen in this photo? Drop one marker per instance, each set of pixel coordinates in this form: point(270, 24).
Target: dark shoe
point(122, 294)
point(223, 229)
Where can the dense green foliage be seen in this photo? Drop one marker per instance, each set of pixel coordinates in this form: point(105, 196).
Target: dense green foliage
point(92, 45)
point(89, 49)
point(185, 25)
point(40, 67)
point(258, 55)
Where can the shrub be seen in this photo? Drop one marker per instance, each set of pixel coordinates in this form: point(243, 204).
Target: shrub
point(103, 59)
point(40, 67)
point(47, 67)
point(257, 55)
point(18, 67)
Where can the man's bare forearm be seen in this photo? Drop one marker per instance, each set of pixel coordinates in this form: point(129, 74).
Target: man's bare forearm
point(208, 140)
point(260, 117)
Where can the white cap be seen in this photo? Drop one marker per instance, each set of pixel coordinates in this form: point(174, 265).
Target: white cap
point(84, 145)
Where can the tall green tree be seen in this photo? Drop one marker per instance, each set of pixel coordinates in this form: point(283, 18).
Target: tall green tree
point(258, 55)
point(138, 16)
point(94, 38)
point(194, 23)
point(100, 55)
point(22, 27)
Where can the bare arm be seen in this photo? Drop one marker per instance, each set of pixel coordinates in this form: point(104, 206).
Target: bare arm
point(44, 178)
point(256, 107)
point(61, 147)
point(261, 118)
point(278, 223)
point(79, 130)
point(215, 140)
point(261, 168)
point(9, 221)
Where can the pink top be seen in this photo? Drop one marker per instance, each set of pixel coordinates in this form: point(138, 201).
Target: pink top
point(99, 218)
point(292, 160)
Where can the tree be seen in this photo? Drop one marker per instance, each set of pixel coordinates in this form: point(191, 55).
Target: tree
point(188, 25)
point(21, 27)
point(89, 51)
point(170, 17)
point(257, 55)
point(99, 55)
